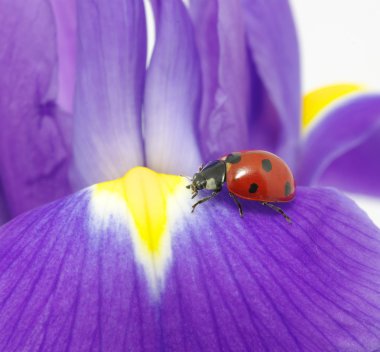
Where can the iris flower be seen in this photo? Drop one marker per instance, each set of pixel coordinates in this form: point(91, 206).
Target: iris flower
point(122, 264)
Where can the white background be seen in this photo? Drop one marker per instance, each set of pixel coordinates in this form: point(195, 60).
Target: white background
point(340, 43)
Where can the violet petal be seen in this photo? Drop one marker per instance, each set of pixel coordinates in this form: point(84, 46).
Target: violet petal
point(274, 50)
point(224, 124)
point(65, 19)
point(69, 279)
point(110, 81)
point(34, 131)
point(341, 149)
point(312, 285)
point(172, 94)
point(156, 5)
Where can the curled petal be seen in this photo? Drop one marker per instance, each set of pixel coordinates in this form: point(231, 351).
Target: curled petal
point(224, 123)
point(172, 93)
point(341, 148)
point(317, 100)
point(124, 266)
point(110, 82)
point(34, 131)
point(273, 47)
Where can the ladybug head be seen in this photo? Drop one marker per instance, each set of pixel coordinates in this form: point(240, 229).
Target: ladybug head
point(198, 182)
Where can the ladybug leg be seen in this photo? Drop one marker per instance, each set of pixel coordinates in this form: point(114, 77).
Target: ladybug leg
point(237, 203)
point(194, 193)
point(278, 210)
point(213, 194)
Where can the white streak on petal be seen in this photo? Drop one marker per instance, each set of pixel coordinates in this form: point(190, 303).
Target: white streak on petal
point(150, 206)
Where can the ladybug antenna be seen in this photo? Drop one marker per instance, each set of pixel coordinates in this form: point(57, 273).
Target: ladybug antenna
point(188, 178)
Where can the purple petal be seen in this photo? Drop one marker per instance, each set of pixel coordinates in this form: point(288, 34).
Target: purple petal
point(156, 8)
point(342, 148)
point(224, 121)
point(65, 19)
point(110, 78)
point(312, 285)
point(34, 132)
point(172, 94)
point(276, 93)
point(69, 278)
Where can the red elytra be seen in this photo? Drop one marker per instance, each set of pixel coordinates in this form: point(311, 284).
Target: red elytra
point(259, 175)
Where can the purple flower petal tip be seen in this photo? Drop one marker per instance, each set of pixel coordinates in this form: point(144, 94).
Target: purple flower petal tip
point(70, 282)
point(172, 94)
point(348, 157)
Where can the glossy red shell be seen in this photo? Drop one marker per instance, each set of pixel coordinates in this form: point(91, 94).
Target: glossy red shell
point(259, 175)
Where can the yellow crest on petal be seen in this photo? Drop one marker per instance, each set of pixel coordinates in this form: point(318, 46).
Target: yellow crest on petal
point(317, 100)
point(150, 203)
point(147, 195)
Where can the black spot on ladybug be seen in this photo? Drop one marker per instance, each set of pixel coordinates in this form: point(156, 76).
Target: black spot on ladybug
point(288, 188)
point(233, 158)
point(253, 188)
point(266, 164)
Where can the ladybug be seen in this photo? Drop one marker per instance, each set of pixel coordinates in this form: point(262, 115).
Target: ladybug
point(254, 175)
